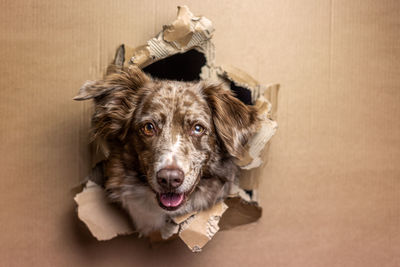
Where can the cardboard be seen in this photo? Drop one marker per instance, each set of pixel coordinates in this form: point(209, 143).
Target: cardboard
point(330, 190)
point(185, 33)
point(99, 215)
point(198, 231)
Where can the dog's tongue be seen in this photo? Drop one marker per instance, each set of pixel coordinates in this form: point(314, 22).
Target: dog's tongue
point(171, 199)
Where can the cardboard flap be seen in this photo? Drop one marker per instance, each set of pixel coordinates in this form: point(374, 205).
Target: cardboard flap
point(104, 220)
point(199, 228)
point(239, 212)
point(238, 76)
point(258, 146)
point(267, 128)
point(180, 31)
point(242, 208)
point(186, 32)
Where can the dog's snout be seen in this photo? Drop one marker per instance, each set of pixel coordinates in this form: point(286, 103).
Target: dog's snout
point(169, 178)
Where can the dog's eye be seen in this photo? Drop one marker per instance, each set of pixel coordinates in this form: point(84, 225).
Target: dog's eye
point(149, 129)
point(198, 130)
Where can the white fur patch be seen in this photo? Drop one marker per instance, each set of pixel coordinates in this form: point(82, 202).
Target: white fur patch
point(168, 159)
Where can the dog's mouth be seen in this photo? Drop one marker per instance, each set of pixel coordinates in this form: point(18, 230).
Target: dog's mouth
point(170, 201)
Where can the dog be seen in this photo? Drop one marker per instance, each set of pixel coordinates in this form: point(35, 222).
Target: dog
point(173, 144)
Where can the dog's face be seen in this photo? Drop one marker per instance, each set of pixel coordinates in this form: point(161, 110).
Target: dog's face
point(172, 133)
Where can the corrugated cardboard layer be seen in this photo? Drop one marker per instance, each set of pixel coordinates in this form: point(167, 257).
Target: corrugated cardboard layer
point(330, 191)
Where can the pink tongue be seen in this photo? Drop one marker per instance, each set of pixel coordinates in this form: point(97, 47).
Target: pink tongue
point(171, 199)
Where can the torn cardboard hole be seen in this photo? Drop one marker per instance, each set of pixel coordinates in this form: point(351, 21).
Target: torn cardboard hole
point(185, 67)
point(183, 51)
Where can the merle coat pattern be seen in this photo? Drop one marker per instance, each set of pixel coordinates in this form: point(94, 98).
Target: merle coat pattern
point(172, 144)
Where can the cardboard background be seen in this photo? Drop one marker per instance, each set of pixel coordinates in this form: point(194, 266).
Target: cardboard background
point(330, 192)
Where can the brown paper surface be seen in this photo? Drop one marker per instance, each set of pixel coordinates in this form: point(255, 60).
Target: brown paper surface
point(330, 190)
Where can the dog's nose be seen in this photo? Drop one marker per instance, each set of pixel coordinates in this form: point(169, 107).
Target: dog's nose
point(169, 178)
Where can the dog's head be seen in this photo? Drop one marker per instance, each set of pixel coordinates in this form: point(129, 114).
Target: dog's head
point(171, 130)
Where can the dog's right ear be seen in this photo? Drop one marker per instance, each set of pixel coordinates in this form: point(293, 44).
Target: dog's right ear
point(131, 78)
point(234, 121)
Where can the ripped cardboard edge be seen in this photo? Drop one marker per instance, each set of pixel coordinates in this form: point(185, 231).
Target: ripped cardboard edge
point(106, 221)
point(199, 228)
point(185, 33)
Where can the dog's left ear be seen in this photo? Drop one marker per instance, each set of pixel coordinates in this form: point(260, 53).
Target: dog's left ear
point(234, 121)
point(118, 79)
point(115, 98)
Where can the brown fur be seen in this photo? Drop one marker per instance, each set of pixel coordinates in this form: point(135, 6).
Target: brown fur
point(126, 100)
